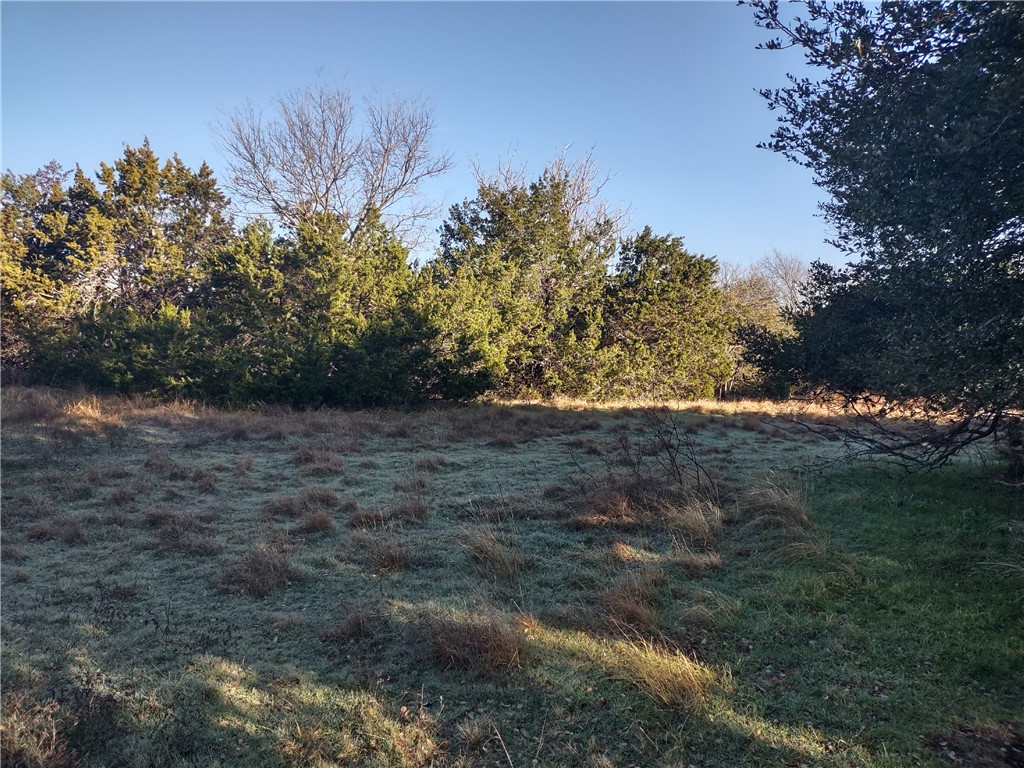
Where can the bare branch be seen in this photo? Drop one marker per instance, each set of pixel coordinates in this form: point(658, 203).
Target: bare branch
point(310, 159)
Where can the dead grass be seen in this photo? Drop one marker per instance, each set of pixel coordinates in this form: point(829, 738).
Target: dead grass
point(66, 529)
point(699, 520)
point(358, 622)
point(483, 644)
point(181, 531)
point(30, 734)
point(306, 502)
point(432, 462)
point(694, 563)
point(629, 602)
point(777, 506)
point(663, 674)
point(317, 462)
point(314, 522)
point(388, 552)
point(264, 570)
point(493, 552)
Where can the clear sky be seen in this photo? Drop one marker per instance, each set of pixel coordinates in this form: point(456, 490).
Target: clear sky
point(664, 94)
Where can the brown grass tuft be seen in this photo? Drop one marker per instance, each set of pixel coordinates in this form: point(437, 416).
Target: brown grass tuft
point(502, 441)
point(30, 733)
point(778, 507)
point(317, 462)
point(493, 553)
point(482, 644)
point(629, 600)
point(121, 497)
point(63, 528)
point(695, 563)
point(185, 532)
point(264, 570)
point(314, 522)
point(360, 622)
point(664, 675)
point(699, 520)
point(435, 461)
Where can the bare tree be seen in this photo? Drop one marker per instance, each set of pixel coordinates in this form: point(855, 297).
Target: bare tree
point(787, 274)
point(588, 212)
point(314, 156)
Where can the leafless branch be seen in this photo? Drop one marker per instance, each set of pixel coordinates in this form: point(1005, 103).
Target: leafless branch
point(311, 158)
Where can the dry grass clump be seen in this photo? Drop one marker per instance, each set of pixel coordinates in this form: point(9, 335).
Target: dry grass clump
point(629, 602)
point(23, 405)
point(317, 462)
point(418, 484)
point(777, 506)
point(389, 554)
point(699, 520)
point(185, 532)
point(360, 622)
point(502, 441)
point(493, 553)
point(263, 570)
point(31, 505)
point(205, 480)
point(30, 733)
point(314, 522)
point(664, 675)
point(694, 563)
point(121, 497)
point(66, 529)
point(307, 501)
point(585, 445)
point(609, 507)
point(432, 462)
point(483, 644)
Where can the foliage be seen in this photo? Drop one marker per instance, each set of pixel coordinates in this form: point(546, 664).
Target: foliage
point(915, 131)
point(665, 320)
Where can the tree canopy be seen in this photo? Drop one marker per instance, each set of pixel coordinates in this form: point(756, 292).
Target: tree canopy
point(915, 130)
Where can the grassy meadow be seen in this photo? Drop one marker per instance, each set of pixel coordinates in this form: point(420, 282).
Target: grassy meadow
point(497, 585)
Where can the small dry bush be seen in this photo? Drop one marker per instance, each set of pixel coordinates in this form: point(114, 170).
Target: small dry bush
point(585, 445)
point(390, 556)
point(629, 602)
point(314, 522)
point(664, 675)
point(64, 528)
point(264, 570)
point(30, 734)
point(482, 644)
point(368, 518)
point(610, 507)
point(493, 553)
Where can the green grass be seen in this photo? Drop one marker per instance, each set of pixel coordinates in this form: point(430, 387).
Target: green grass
point(493, 585)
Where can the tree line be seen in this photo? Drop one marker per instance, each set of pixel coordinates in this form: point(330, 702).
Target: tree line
point(137, 279)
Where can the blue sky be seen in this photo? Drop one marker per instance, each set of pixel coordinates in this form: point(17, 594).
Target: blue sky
point(664, 95)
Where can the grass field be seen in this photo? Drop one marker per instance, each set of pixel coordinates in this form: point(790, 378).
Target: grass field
point(496, 585)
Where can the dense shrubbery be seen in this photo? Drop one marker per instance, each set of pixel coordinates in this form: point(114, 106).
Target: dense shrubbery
point(141, 283)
